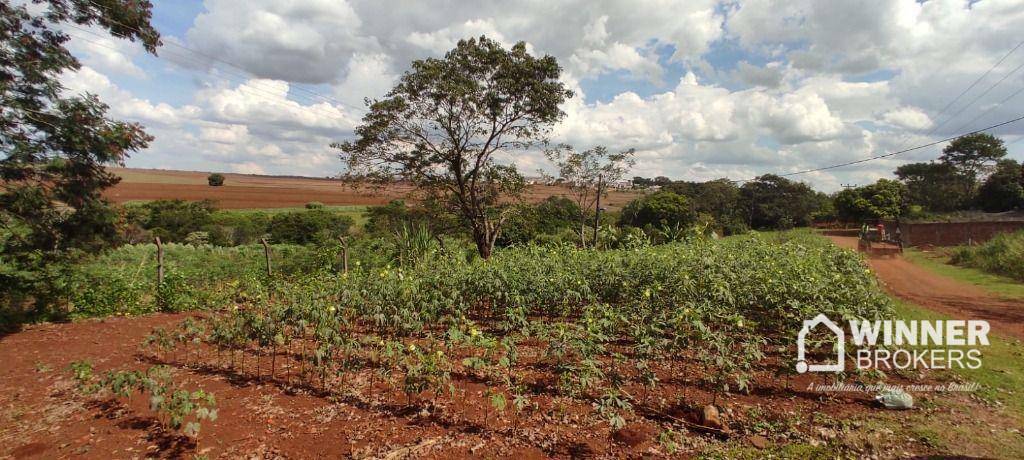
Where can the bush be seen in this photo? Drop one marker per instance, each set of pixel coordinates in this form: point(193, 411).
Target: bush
point(215, 179)
point(240, 227)
point(1002, 255)
point(661, 209)
point(542, 221)
point(306, 227)
point(314, 205)
point(173, 220)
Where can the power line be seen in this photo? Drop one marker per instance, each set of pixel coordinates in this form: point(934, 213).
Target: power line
point(890, 154)
point(935, 128)
point(982, 77)
point(1005, 100)
point(905, 137)
point(990, 88)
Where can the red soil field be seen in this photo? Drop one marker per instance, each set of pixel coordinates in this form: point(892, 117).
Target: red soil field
point(242, 191)
point(270, 417)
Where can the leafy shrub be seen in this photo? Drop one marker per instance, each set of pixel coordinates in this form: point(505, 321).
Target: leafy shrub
point(173, 220)
point(314, 205)
point(197, 239)
point(306, 227)
point(385, 219)
point(1002, 255)
point(215, 179)
point(543, 221)
point(240, 227)
point(658, 210)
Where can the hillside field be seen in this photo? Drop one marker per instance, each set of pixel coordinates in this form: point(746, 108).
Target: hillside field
point(245, 191)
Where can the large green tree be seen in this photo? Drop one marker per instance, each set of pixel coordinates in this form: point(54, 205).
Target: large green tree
point(441, 125)
point(936, 187)
point(776, 202)
point(973, 155)
point(1003, 190)
point(53, 146)
point(882, 200)
point(719, 198)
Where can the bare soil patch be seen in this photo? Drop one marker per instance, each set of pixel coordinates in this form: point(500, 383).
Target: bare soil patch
point(268, 416)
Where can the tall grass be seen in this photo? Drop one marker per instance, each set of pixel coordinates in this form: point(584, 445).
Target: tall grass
point(1002, 255)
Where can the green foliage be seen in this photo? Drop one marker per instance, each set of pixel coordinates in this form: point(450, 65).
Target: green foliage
point(541, 222)
point(174, 220)
point(881, 200)
point(123, 281)
point(310, 226)
point(720, 199)
point(936, 187)
point(382, 220)
point(1004, 189)
point(970, 155)
point(215, 179)
point(177, 408)
point(659, 209)
point(53, 148)
point(774, 202)
point(507, 101)
point(314, 205)
point(1002, 255)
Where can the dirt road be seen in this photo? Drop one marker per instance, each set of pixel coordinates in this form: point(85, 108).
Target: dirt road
point(944, 295)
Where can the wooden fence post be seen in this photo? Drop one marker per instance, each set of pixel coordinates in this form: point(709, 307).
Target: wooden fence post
point(344, 253)
point(266, 253)
point(159, 262)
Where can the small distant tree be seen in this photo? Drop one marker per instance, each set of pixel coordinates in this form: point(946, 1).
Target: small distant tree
point(215, 179)
point(662, 181)
point(587, 175)
point(441, 125)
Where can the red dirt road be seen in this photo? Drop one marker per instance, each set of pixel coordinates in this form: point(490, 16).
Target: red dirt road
point(943, 295)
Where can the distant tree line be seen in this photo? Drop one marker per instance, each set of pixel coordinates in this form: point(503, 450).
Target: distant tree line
point(971, 174)
point(199, 222)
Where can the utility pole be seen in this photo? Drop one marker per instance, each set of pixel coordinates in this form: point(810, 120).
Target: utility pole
point(597, 209)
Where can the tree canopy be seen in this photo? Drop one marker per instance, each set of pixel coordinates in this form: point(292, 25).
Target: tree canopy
point(587, 174)
point(882, 200)
point(973, 154)
point(1003, 190)
point(776, 202)
point(659, 209)
point(54, 146)
point(442, 124)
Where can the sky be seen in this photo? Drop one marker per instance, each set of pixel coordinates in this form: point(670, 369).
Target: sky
point(701, 89)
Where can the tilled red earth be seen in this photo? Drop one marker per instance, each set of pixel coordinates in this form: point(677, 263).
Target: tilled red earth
point(43, 416)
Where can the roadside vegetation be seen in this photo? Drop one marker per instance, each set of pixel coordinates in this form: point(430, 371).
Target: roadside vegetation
point(1002, 255)
point(938, 261)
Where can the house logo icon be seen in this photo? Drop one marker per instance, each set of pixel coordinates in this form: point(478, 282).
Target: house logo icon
point(801, 360)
